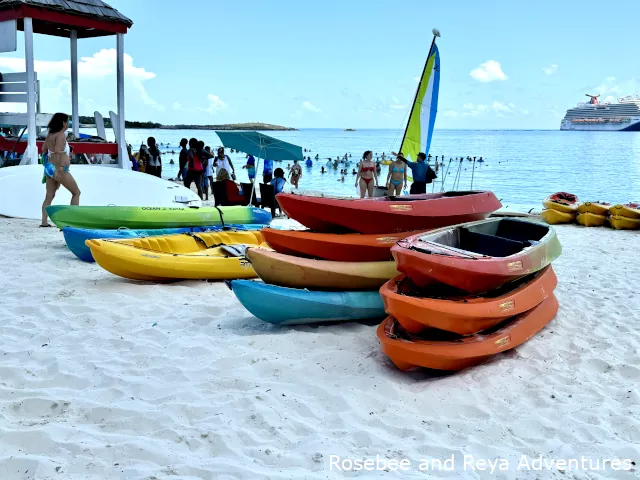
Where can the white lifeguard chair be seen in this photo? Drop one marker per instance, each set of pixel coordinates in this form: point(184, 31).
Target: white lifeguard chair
point(62, 18)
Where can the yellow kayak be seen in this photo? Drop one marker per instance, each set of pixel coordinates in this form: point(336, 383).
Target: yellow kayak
point(594, 207)
point(211, 256)
point(555, 217)
point(561, 201)
point(591, 219)
point(624, 223)
point(625, 211)
point(297, 272)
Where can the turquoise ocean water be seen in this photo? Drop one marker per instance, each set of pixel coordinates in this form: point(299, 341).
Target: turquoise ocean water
point(520, 167)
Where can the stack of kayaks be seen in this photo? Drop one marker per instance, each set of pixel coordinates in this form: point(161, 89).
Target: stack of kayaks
point(205, 256)
point(592, 214)
point(468, 292)
point(561, 207)
point(333, 271)
point(625, 217)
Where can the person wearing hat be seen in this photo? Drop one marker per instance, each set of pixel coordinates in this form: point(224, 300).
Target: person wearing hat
point(397, 176)
point(421, 171)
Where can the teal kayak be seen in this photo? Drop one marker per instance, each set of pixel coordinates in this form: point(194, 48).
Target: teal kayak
point(80, 216)
point(293, 306)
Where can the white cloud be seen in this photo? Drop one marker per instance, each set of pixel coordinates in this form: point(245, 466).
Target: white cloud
point(307, 105)
point(101, 64)
point(524, 112)
point(614, 89)
point(215, 104)
point(551, 69)
point(416, 79)
point(475, 110)
point(177, 106)
point(396, 104)
point(450, 113)
point(488, 72)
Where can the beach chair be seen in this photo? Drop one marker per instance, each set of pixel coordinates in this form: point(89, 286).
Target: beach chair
point(268, 198)
point(246, 190)
point(219, 193)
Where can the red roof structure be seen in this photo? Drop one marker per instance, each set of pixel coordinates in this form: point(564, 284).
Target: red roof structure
point(90, 18)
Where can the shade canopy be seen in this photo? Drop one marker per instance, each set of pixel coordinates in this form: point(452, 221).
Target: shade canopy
point(89, 18)
point(260, 145)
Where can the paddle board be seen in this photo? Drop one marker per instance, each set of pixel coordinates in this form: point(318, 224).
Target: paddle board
point(22, 190)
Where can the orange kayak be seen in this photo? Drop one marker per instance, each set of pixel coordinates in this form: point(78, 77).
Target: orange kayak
point(296, 272)
point(444, 308)
point(447, 351)
point(347, 247)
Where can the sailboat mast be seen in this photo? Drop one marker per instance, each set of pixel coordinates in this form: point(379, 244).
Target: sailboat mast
point(436, 33)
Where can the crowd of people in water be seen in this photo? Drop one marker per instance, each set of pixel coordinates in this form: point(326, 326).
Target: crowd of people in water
point(198, 164)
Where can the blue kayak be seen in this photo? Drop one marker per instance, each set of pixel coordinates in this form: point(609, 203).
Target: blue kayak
point(292, 306)
point(76, 237)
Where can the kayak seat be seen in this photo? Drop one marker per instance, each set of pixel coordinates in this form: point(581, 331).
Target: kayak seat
point(521, 231)
point(490, 245)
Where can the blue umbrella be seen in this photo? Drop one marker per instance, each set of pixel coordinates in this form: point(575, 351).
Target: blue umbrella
point(260, 146)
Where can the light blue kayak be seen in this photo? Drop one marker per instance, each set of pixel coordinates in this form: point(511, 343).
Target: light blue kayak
point(76, 237)
point(292, 306)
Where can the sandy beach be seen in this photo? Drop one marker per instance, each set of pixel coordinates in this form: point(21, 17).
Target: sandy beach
point(103, 378)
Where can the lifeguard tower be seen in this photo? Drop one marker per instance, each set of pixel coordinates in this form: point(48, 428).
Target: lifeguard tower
point(62, 18)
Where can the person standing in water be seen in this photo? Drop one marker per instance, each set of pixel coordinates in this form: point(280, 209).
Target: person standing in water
point(367, 177)
point(154, 164)
point(295, 174)
point(56, 166)
point(397, 176)
point(422, 173)
point(182, 161)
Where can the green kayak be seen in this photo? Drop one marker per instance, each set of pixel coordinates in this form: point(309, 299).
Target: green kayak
point(80, 216)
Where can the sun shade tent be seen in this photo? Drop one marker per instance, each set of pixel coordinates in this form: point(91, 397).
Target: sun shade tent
point(260, 146)
point(73, 19)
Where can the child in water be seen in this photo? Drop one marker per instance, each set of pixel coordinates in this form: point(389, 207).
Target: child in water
point(251, 167)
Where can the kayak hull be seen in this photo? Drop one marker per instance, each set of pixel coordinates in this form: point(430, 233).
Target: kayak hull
point(463, 314)
point(388, 214)
point(594, 207)
point(491, 253)
point(631, 210)
point(624, 223)
point(76, 237)
point(296, 272)
point(457, 353)
point(80, 216)
point(589, 219)
point(347, 247)
point(176, 257)
point(556, 217)
point(290, 306)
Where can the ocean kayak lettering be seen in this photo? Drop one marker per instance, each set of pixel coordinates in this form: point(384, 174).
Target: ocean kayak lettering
point(162, 208)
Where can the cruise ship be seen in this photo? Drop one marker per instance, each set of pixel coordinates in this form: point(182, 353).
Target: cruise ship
point(592, 115)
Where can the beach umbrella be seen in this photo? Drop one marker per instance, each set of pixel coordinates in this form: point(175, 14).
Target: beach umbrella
point(260, 146)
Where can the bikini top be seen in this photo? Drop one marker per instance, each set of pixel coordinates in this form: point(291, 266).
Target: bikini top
point(368, 169)
point(396, 170)
point(66, 148)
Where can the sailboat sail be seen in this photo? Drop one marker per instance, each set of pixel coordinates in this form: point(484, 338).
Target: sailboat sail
point(423, 112)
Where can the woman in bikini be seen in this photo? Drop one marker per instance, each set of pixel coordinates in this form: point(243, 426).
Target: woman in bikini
point(397, 176)
point(367, 176)
point(56, 167)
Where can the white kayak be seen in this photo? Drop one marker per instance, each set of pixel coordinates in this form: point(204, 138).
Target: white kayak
point(22, 190)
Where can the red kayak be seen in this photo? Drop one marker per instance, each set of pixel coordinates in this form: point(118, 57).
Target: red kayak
point(339, 247)
point(388, 214)
point(480, 256)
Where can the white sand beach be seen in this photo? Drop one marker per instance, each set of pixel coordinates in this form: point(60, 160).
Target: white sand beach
point(104, 378)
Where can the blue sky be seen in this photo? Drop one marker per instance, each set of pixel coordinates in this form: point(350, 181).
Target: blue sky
point(504, 64)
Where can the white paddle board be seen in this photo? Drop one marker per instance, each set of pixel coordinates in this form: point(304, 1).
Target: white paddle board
point(22, 191)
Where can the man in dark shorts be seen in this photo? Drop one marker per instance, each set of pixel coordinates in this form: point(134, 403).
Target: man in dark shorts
point(182, 162)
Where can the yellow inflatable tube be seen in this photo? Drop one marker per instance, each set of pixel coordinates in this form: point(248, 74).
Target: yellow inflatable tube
point(210, 256)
